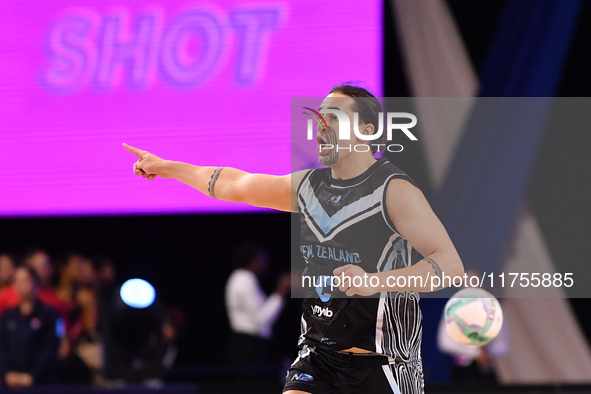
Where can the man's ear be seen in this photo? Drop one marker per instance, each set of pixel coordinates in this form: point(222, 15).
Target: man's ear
point(368, 129)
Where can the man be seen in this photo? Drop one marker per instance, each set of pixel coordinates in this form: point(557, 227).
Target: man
point(29, 336)
point(251, 313)
point(360, 207)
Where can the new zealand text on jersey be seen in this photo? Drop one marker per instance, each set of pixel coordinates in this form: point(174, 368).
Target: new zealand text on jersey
point(330, 253)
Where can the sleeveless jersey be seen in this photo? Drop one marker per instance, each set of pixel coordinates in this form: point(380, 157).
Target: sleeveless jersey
point(346, 222)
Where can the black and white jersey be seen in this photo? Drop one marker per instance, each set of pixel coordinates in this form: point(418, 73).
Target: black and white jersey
point(346, 222)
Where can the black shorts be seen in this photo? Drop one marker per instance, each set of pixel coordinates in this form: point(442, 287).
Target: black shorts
point(319, 371)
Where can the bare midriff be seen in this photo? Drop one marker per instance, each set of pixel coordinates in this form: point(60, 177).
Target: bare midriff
point(356, 350)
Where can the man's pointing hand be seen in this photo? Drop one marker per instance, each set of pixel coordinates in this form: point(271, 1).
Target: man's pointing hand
point(147, 165)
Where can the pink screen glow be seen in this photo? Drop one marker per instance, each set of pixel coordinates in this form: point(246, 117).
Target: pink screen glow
point(209, 83)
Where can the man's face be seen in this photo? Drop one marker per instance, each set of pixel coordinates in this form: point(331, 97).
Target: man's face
point(24, 284)
point(329, 156)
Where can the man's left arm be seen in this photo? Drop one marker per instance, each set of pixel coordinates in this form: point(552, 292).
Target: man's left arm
point(414, 219)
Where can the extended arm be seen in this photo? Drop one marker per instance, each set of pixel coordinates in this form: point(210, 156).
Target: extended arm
point(223, 183)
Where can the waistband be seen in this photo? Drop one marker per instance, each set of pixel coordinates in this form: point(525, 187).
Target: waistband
point(352, 358)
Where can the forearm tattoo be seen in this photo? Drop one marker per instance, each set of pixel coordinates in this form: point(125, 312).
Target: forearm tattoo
point(213, 180)
point(437, 269)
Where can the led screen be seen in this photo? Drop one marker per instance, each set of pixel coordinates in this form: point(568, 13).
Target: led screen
point(205, 82)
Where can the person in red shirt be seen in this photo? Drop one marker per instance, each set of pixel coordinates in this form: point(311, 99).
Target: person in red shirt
point(30, 334)
point(40, 262)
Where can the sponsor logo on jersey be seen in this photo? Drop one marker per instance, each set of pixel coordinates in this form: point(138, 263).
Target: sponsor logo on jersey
point(334, 199)
point(302, 377)
point(319, 311)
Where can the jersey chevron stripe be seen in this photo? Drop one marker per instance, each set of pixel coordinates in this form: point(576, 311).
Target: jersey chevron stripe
point(325, 223)
point(322, 237)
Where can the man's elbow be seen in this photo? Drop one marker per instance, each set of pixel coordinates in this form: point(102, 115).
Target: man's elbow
point(455, 269)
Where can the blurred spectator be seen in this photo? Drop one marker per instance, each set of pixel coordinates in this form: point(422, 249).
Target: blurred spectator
point(29, 336)
point(172, 329)
point(82, 357)
point(106, 277)
point(251, 313)
point(40, 262)
point(77, 289)
point(472, 364)
point(6, 270)
point(106, 288)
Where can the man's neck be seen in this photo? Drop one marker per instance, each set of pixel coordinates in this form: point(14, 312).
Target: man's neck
point(353, 166)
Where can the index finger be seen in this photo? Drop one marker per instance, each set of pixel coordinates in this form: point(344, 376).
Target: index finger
point(133, 150)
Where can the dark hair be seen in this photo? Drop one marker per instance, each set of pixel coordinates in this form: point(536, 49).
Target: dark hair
point(368, 106)
point(247, 252)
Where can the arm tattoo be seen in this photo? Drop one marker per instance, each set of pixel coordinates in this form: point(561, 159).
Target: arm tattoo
point(213, 180)
point(437, 269)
